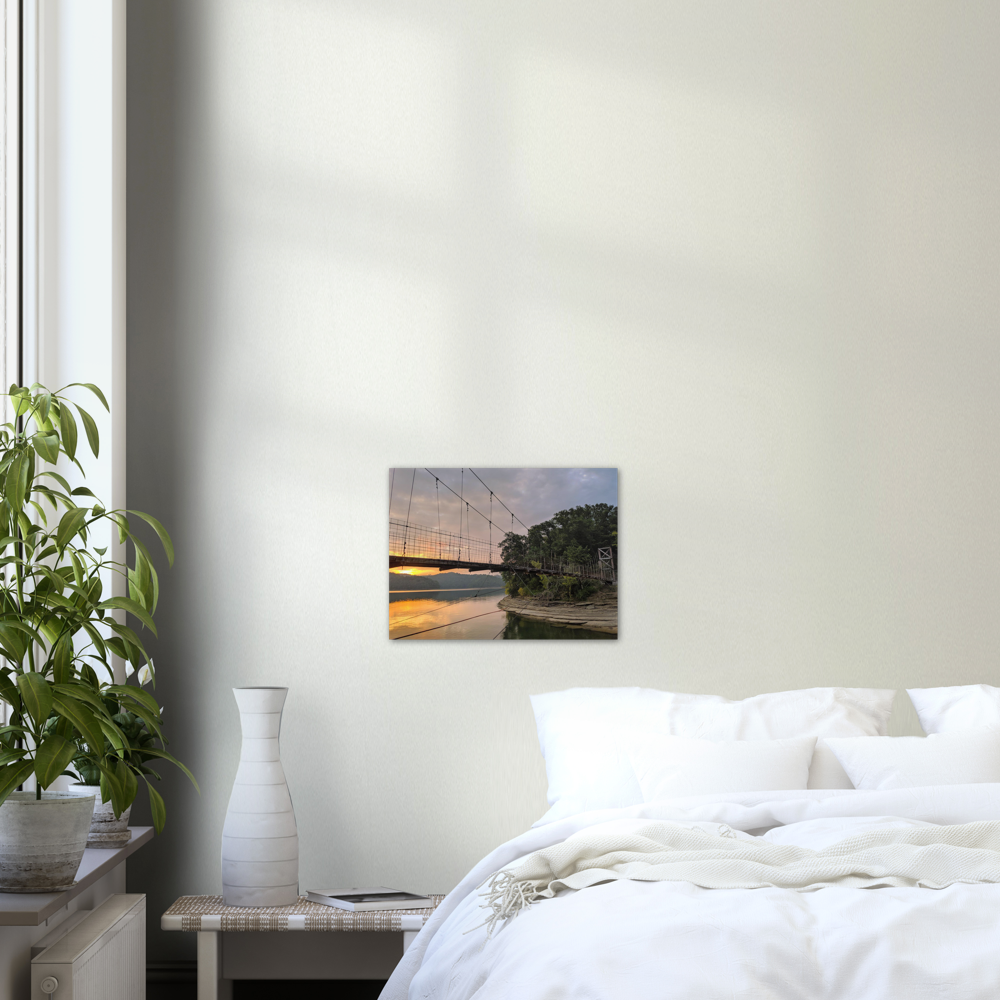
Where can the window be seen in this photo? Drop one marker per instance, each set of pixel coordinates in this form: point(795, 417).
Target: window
point(10, 195)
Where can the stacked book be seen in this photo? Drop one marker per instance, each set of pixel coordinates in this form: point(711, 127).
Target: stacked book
point(379, 898)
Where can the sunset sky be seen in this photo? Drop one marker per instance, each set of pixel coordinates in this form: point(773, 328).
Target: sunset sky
point(533, 495)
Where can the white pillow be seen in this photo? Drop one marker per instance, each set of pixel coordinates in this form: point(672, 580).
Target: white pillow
point(879, 762)
point(586, 734)
point(956, 709)
point(671, 766)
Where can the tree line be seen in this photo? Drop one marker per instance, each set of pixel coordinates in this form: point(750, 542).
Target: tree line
point(569, 536)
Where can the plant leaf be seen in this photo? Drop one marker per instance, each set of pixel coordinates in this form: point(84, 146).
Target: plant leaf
point(161, 533)
point(16, 483)
point(12, 645)
point(93, 388)
point(132, 607)
point(173, 760)
point(19, 626)
point(123, 527)
point(156, 807)
point(81, 692)
point(46, 445)
point(117, 647)
point(130, 783)
point(91, 428)
point(52, 758)
point(150, 718)
point(20, 396)
point(28, 474)
point(8, 691)
point(137, 694)
point(26, 528)
point(58, 585)
point(96, 639)
point(70, 434)
point(62, 660)
point(12, 775)
point(84, 719)
point(111, 787)
point(141, 576)
point(59, 479)
point(97, 392)
point(36, 695)
point(12, 641)
point(114, 734)
point(120, 782)
point(127, 634)
point(70, 523)
point(77, 569)
point(105, 790)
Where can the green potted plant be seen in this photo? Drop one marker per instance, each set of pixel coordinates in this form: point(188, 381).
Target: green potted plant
point(108, 830)
point(57, 639)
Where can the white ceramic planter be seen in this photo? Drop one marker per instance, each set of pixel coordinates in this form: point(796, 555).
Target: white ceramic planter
point(260, 841)
point(106, 832)
point(42, 841)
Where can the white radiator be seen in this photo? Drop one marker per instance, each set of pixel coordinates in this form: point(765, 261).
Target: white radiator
point(99, 956)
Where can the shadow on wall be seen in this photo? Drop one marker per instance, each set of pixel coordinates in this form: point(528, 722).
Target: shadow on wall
point(156, 425)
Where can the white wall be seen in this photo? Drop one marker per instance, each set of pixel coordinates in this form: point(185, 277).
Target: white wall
point(745, 252)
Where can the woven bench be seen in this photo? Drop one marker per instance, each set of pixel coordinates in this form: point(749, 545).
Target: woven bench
point(229, 948)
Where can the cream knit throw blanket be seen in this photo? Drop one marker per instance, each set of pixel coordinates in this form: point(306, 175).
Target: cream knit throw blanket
point(656, 851)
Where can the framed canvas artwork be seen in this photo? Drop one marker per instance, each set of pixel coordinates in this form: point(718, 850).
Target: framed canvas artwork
point(503, 553)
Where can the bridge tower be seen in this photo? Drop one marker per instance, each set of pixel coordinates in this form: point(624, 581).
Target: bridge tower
point(607, 562)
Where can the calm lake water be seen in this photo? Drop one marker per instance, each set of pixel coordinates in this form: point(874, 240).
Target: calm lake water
point(467, 614)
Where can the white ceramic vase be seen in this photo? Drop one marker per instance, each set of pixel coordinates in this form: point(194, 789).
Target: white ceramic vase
point(260, 842)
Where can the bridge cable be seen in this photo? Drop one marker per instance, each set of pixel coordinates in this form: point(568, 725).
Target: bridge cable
point(479, 512)
point(437, 493)
point(410, 501)
point(499, 501)
point(459, 495)
point(392, 483)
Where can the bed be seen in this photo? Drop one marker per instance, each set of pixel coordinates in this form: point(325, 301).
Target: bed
point(900, 896)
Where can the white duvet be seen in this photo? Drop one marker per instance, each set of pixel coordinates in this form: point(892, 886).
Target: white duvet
point(640, 940)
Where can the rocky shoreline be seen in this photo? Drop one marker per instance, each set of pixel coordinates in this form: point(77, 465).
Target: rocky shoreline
point(600, 615)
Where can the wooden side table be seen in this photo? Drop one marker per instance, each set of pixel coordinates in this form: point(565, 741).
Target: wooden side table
point(237, 942)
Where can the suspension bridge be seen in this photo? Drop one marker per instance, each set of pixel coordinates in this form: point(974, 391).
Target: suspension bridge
point(426, 547)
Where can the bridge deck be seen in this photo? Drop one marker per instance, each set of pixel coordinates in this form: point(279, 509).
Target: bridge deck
point(422, 561)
